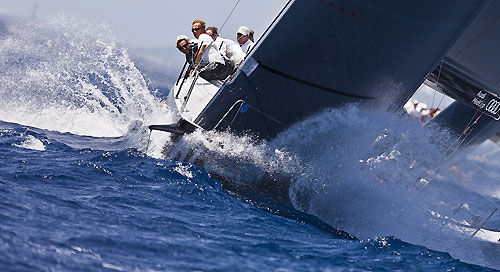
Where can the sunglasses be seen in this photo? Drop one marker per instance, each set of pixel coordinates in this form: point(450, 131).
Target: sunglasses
point(183, 46)
point(196, 29)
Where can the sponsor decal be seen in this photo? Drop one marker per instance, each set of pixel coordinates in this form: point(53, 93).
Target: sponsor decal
point(487, 103)
point(493, 106)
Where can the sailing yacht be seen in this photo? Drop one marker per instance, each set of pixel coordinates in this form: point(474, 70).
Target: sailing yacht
point(325, 53)
point(321, 54)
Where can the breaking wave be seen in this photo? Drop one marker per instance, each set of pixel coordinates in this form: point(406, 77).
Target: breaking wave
point(70, 75)
point(372, 174)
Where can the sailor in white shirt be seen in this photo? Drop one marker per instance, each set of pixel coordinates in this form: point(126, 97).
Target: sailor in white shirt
point(227, 47)
point(210, 61)
point(243, 36)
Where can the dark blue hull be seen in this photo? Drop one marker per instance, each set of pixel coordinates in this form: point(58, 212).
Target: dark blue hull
point(328, 53)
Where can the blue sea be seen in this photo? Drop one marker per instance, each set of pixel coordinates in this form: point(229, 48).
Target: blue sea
point(84, 185)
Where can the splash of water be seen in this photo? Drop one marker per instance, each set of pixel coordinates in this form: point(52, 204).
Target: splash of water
point(361, 171)
point(31, 143)
point(70, 75)
point(241, 158)
point(364, 175)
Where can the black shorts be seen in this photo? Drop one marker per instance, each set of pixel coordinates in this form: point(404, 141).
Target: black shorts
point(219, 72)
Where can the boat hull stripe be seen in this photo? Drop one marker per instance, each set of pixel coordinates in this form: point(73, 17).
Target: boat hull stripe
point(319, 87)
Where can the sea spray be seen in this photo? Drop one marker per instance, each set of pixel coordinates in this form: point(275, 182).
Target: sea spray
point(70, 75)
point(243, 159)
point(31, 143)
point(361, 171)
point(363, 174)
point(364, 162)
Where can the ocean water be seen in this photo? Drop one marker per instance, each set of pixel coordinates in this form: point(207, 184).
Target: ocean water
point(85, 187)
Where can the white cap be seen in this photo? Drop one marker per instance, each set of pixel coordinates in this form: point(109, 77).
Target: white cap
point(243, 30)
point(181, 37)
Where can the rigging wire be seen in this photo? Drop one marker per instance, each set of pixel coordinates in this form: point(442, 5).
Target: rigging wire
point(486, 172)
point(262, 36)
point(482, 225)
point(431, 176)
point(442, 98)
point(480, 194)
point(437, 83)
point(477, 134)
point(448, 159)
point(467, 127)
point(229, 16)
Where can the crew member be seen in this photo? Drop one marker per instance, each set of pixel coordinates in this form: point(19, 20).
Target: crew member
point(228, 48)
point(251, 35)
point(208, 58)
point(243, 36)
point(187, 47)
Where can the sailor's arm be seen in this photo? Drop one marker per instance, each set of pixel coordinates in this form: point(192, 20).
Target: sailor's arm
point(188, 71)
point(197, 58)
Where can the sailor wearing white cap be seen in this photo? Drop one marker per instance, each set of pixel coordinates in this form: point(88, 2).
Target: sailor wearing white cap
point(243, 36)
point(229, 48)
point(186, 47)
point(181, 37)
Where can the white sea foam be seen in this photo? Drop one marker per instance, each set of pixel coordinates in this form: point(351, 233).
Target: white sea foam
point(358, 170)
point(240, 158)
point(70, 75)
point(364, 175)
point(157, 139)
point(31, 143)
point(363, 172)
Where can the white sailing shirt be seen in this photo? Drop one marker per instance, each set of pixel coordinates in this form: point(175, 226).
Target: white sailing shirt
point(231, 50)
point(211, 53)
point(246, 47)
